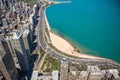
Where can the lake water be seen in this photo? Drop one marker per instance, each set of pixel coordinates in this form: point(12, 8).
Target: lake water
point(91, 25)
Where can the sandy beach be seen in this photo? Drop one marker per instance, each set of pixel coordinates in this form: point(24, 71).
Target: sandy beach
point(66, 47)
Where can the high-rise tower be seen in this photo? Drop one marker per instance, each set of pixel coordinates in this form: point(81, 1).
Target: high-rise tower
point(64, 69)
point(18, 45)
point(8, 70)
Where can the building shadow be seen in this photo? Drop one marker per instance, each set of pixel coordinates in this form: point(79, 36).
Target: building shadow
point(32, 64)
point(33, 47)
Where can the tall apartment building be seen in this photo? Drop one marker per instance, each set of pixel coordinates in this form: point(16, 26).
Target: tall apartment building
point(83, 75)
point(27, 43)
point(5, 3)
point(1, 5)
point(4, 22)
point(8, 39)
point(55, 75)
point(26, 26)
point(18, 45)
point(8, 70)
point(64, 69)
point(115, 75)
point(95, 73)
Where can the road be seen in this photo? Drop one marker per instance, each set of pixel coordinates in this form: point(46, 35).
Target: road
point(42, 43)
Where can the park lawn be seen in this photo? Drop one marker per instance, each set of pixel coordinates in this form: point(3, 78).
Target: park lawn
point(50, 64)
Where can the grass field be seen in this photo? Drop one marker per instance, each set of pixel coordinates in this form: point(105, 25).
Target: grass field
point(50, 64)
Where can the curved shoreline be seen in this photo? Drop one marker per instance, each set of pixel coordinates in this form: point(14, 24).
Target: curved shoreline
point(82, 55)
point(55, 39)
point(58, 42)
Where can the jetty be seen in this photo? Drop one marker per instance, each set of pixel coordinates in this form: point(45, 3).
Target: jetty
point(60, 2)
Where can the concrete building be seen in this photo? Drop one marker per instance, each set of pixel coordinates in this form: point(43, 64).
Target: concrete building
point(41, 77)
point(3, 30)
point(8, 70)
point(18, 45)
point(96, 76)
point(13, 1)
point(55, 75)
point(74, 75)
point(95, 73)
point(83, 75)
point(64, 69)
point(7, 4)
point(34, 75)
point(1, 5)
point(8, 39)
point(111, 74)
point(26, 26)
point(46, 76)
point(115, 74)
point(4, 22)
point(108, 75)
point(27, 41)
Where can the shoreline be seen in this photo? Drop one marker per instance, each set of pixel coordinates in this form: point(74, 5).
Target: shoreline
point(69, 49)
point(55, 39)
point(76, 48)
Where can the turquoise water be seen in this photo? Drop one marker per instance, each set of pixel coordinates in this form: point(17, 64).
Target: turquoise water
point(92, 25)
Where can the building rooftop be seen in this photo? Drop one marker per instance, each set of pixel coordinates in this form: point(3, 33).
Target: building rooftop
point(16, 34)
point(73, 72)
point(114, 70)
point(97, 73)
point(115, 73)
point(64, 62)
point(55, 75)
point(44, 78)
point(25, 33)
point(34, 75)
point(92, 69)
point(83, 73)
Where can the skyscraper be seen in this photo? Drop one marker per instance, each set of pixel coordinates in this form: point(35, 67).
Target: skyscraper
point(94, 73)
point(6, 3)
point(64, 69)
point(8, 70)
point(1, 5)
point(18, 45)
point(8, 39)
point(27, 43)
point(4, 22)
point(27, 27)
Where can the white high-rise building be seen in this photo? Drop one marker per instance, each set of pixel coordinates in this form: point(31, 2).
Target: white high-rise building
point(55, 75)
point(4, 22)
point(64, 69)
point(95, 73)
